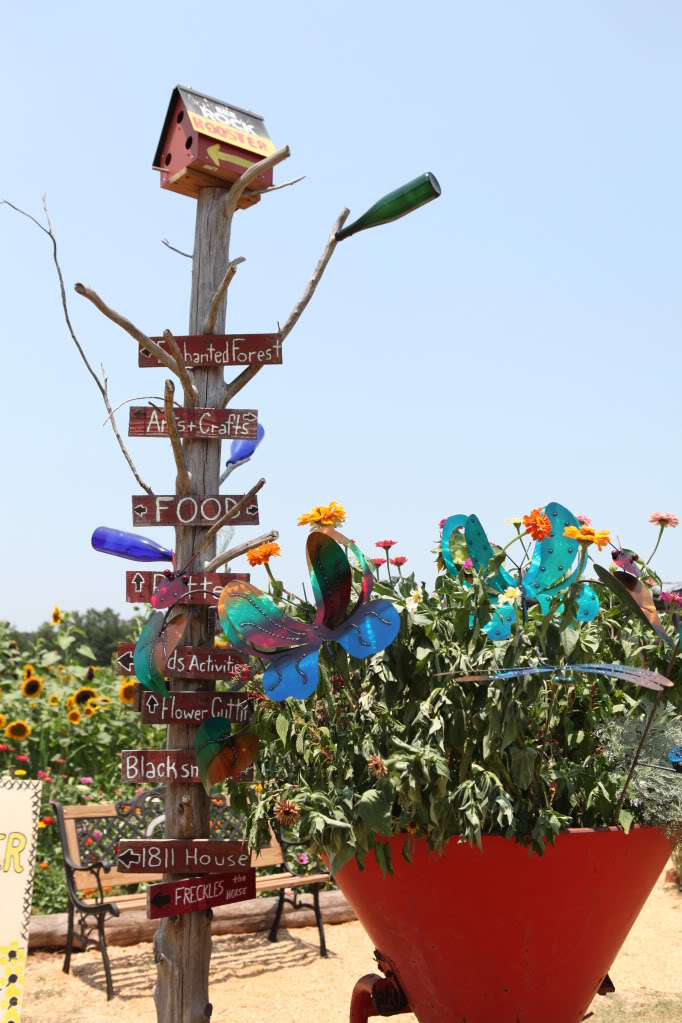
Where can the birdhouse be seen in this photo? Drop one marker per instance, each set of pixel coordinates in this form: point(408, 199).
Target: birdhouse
point(206, 143)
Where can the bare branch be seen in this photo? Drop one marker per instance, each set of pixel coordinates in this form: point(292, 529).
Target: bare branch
point(242, 548)
point(209, 326)
point(164, 358)
point(275, 188)
point(294, 316)
point(164, 241)
point(243, 182)
point(102, 386)
point(189, 389)
point(184, 482)
point(231, 514)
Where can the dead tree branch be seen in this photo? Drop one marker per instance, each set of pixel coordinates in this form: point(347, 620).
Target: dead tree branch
point(242, 548)
point(184, 482)
point(294, 316)
point(209, 326)
point(164, 241)
point(190, 391)
point(151, 346)
point(232, 513)
point(101, 384)
point(275, 188)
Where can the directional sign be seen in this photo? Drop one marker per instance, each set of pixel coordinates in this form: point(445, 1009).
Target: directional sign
point(193, 708)
point(161, 765)
point(181, 856)
point(191, 510)
point(200, 423)
point(240, 350)
point(171, 898)
point(202, 589)
point(213, 663)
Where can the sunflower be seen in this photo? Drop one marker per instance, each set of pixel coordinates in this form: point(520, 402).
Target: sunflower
point(70, 701)
point(104, 700)
point(74, 717)
point(3, 720)
point(56, 616)
point(127, 691)
point(89, 710)
point(29, 671)
point(53, 700)
point(32, 687)
point(84, 694)
point(18, 730)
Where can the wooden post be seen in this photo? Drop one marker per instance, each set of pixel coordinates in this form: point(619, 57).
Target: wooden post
point(182, 944)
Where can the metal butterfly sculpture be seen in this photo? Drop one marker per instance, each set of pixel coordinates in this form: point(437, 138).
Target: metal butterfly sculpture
point(675, 758)
point(563, 672)
point(626, 585)
point(220, 754)
point(551, 571)
point(290, 648)
point(158, 639)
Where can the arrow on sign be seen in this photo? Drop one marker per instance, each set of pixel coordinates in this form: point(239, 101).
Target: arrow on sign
point(125, 662)
point(140, 510)
point(128, 857)
point(138, 580)
point(160, 900)
point(152, 703)
point(216, 154)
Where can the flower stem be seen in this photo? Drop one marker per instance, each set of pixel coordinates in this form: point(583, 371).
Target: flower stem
point(660, 534)
point(388, 565)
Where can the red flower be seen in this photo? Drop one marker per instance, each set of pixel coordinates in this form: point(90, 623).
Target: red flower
point(23, 758)
point(44, 776)
point(386, 544)
point(399, 560)
point(59, 760)
point(377, 562)
point(47, 821)
point(4, 747)
point(442, 523)
point(537, 524)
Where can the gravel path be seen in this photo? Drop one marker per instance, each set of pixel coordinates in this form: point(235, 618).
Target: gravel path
point(289, 983)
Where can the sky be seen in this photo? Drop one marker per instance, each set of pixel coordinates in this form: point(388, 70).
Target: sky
point(516, 341)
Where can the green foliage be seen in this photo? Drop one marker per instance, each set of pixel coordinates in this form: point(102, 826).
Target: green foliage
point(397, 744)
point(100, 631)
point(77, 762)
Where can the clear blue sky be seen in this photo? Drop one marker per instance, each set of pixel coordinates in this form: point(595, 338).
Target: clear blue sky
point(515, 342)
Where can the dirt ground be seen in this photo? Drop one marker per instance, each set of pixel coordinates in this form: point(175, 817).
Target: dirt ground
point(289, 983)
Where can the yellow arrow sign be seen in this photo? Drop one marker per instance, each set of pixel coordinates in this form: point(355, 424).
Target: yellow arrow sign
point(216, 154)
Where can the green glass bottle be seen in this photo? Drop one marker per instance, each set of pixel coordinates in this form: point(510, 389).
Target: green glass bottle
point(396, 204)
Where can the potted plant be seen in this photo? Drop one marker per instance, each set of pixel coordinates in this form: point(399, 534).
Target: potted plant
point(488, 829)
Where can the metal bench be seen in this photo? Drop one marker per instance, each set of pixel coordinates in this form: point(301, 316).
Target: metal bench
point(90, 835)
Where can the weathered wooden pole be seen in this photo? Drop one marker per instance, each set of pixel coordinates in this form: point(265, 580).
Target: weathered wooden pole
point(183, 944)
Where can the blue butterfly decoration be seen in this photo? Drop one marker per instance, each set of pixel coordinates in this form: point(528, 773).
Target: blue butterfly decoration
point(255, 625)
point(675, 758)
point(551, 571)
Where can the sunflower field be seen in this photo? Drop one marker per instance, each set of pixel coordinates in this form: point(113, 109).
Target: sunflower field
point(64, 720)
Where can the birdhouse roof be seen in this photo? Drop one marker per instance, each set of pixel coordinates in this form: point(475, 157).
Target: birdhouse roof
point(217, 119)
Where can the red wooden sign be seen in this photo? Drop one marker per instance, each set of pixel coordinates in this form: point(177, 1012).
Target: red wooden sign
point(202, 423)
point(189, 661)
point(181, 856)
point(203, 589)
point(222, 350)
point(191, 510)
point(161, 765)
point(171, 898)
point(193, 708)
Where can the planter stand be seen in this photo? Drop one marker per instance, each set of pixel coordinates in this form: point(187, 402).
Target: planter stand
point(500, 936)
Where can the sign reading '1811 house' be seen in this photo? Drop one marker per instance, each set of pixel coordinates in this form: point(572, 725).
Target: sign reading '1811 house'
point(181, 856)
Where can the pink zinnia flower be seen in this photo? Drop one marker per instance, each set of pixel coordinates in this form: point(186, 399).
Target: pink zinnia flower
point(399, 560)
point(584, 520)
point(86, 780)
point(468, 563)
point(4, 747)
point(385, 544)
point(303, 859)
point(377, 562)
point(442, 523)
point(664, 519)
point(23, 758)
point(671, 598)
point(44, 776)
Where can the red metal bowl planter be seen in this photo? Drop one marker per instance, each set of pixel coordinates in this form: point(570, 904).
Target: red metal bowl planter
point(501, 936)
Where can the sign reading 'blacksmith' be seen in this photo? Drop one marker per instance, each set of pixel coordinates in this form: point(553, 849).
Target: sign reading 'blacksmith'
point(190, 510)
point(189, 661)
point(161, 765)
point(240, 350)
point(196, 423)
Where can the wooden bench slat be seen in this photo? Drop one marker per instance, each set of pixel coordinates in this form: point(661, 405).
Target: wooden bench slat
point(73, 813)
point(286, 880)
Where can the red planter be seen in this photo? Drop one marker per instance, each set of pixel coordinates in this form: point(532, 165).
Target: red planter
point(502, 936)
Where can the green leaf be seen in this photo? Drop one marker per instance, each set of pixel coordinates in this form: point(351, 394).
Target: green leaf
point(85, 651)
point(340, 858)
point(522, 766)
point(282, 726)
point(50, 658)
point(65, 641)
point(625, 819)
point(375, 810)
point(407, 850)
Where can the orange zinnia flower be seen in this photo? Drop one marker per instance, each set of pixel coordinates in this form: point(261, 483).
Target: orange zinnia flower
point(324, 515)
point(261, 555)
point(588, 535)
point(537, 524)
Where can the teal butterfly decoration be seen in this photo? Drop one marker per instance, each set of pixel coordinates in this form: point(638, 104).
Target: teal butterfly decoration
point(255, 625)
point(551, 571)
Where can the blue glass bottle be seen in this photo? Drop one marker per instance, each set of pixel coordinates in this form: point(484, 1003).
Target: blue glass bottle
point(128, 545)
